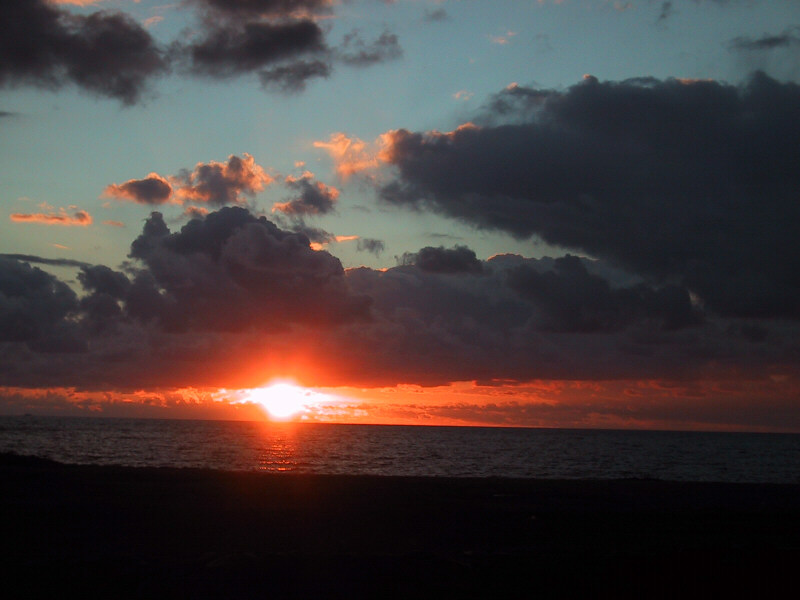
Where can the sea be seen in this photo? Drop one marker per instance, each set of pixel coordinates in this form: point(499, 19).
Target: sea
point(395, 450)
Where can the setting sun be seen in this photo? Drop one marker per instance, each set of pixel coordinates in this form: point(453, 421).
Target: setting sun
point(284, 400)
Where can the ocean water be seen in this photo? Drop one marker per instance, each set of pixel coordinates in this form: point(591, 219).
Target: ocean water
point(408, 450)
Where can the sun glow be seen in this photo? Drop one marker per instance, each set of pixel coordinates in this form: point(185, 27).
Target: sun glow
point(284, 401)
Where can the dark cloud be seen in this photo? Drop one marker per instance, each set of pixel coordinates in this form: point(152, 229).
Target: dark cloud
point(34, 306)
point(686, 182)
point(153, 189)
point(232, 300)
point(444, 260)
point(570, 299)
point(105, 53)
point(292, 77)
point(370, 245)
point(230, 50)
point(54, 262)
point(355, 52)
point(4, 114)
point(788, 38)
point(313, 197)
point(261, 8)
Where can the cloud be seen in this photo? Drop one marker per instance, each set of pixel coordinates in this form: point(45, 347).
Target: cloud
point(153, 189)
point(104, 53)
point(34, 307)
point(292, 77)
point(313, 197)
point(80, 218)
point(232, 300)
point(502, 39)
point(665, 12)
point(356, 52)
point(56, 262)
point(685, 182)
point(352, 155)
point(435, 15)
point(371, 245)
point(231, 50)
point(233, 271)
point(788, 38)
point(219, 183)
point(444, 260)
point(253, 9)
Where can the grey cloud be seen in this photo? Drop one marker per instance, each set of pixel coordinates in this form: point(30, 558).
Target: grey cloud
point(355, 52)
point(682, 182)
point(292, 77)
point(370, 245)
point(788, 38)
point(438, 14)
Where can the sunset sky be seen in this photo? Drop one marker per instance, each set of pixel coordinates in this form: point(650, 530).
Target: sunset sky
point(554, 213)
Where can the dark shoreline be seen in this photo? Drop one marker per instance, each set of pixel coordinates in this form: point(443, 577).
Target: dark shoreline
point(159, 532)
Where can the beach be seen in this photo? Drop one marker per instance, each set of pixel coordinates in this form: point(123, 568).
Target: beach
point(194, 533)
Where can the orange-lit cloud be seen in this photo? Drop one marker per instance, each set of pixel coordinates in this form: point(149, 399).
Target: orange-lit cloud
point(111, 223)
point(151, 21)
point(78, 2)
point(153, 189)
point(61, 217)
point(503, 39)
point(352, 155)
point(221, 183)
point(312, 197)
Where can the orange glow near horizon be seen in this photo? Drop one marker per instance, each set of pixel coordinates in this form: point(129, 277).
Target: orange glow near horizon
point(725, 404)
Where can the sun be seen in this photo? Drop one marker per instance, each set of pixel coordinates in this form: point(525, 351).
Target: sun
point(283, 400)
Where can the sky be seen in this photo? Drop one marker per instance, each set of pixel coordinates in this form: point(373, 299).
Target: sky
point(554, 213)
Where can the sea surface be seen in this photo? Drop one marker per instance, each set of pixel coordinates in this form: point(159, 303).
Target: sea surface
point(408, 450)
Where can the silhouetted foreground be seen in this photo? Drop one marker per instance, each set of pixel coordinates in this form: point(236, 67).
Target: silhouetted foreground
point(124, 532)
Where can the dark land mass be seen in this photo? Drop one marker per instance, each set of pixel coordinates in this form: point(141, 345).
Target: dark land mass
point(116, 532)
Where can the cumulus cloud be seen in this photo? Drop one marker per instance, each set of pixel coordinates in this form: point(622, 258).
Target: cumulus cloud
point(232, 300)
point(153, 189)
point(79, 218)
point(219, 183)
point(104, 53)
point(679, 181)
point(313, 197)
point(232, 271)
